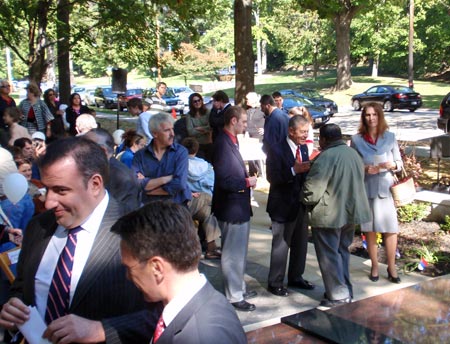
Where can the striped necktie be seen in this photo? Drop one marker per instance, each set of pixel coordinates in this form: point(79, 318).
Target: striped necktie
point(59, 293)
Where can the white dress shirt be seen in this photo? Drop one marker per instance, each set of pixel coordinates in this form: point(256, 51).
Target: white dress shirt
point(85, 240)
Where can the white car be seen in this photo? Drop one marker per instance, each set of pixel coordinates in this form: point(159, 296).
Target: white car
point(182, 92)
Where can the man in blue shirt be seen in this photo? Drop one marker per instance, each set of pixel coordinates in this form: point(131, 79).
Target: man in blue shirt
point(162, 166)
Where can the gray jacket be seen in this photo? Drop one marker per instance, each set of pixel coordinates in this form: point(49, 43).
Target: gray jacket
point(334, 188)
point(378, 185)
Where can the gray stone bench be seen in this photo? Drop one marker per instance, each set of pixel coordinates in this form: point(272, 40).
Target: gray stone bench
point(440, 204)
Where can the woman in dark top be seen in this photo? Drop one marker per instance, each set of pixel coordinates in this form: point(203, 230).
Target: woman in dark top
point(197, 125)
point(74, 110)
point(55, 128)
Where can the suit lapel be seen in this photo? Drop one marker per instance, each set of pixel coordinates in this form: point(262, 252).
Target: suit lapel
point(179, 322)
point(103, 250)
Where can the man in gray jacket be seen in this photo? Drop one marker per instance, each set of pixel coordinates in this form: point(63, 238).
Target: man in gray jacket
point(335, 194)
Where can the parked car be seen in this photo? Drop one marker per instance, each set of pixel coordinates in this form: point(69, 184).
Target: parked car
point(129, 94)
point(391, 97)
point(315, 97)
point(444, 114)
point(104, 97)
point(182, 92)
point(319, 114)
point(90, 97)
point(172, 101)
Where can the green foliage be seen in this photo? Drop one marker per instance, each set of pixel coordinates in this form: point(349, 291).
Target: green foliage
point(445, 226)
point(412, 212)
point(429, 253)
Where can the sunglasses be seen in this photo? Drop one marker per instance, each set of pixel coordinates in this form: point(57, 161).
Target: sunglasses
point(195, 101)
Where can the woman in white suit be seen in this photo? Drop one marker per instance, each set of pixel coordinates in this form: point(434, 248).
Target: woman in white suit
point(379, 149)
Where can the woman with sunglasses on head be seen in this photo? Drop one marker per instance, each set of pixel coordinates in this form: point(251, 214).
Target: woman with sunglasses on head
point(197, 124)
point(55, 128)
point(379, 150)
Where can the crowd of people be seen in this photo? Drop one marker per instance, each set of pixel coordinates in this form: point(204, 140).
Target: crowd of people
point(143, 210)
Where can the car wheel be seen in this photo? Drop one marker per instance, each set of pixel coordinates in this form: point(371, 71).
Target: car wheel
point(388, 106)
point(356, 105)
point(412, 110)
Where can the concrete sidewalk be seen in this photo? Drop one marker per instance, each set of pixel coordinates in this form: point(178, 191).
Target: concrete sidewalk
point(270, 308)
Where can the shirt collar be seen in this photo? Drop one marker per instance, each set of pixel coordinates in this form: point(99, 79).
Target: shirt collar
point(231, 136)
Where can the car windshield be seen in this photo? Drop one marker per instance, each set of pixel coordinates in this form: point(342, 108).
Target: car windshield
point(403, 89)
point(134, 91)
point(107, 91)
point(169, 94)
point(311, 93)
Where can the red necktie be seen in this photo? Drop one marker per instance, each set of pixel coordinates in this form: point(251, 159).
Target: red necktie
point(160, 326)
point(298, 155)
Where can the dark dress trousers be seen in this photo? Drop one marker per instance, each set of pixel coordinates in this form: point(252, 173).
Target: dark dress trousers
point(288, 213)
point(207, 318)
point(103, 292)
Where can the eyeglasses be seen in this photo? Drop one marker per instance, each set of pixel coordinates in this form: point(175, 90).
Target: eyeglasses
point(195, 101)
point(5, 86)
point(51, 94)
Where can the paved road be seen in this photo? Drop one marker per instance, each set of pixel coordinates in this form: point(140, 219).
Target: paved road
point(407, 126)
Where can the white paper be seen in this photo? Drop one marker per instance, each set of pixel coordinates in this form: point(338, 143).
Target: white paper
point(13, 256)
point(378, 159)
point(34, 328)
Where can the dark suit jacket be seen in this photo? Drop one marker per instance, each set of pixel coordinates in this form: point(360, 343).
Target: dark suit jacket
point(284, 195)
point(207, 318)
point(231, 196)
point(275, 128)
point(123, 185)
point(103, 291)
point(216, 121)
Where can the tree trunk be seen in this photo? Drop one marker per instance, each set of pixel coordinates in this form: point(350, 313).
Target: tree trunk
point(375, 62)
point(63, 45)
point(263, 55)
point(37, 63)
point(342, 24)
point(243, 50)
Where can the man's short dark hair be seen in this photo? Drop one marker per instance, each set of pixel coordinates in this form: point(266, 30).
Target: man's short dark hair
point(21, 142)
point(191, 144)
point(102, 137)
point(221, 96)
point(267, 99)
point(330, 132)
point(135, 102)
point(276, 94)
point(232, 112)
point(160, 83)
point(89, 157)
point(164, 229)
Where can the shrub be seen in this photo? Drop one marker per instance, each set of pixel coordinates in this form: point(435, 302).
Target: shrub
point(446, 225)
point(412, 212)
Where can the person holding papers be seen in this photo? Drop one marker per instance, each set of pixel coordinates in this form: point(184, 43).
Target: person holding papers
point(379, 150)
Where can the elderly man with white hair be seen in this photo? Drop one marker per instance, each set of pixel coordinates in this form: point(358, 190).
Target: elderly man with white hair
point(84, 123)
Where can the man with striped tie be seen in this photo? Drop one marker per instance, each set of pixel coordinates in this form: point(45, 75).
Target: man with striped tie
point(70, 266)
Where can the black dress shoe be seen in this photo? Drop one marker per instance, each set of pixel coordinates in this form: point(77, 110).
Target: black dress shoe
point(393, 279)
point(278, 291)
point(333, 303)
point(302, 284)
point(244, 306)
point(250, 294)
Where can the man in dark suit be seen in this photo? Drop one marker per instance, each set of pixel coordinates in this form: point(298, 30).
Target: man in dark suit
point(276, 124)
point(221, 102)
point(194, 312)
point(231, 205)
point(93, 302)
point(287, 165)
point(122, 184)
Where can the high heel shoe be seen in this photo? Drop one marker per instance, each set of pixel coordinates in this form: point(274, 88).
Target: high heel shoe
point(372, 277)
point(393, 279)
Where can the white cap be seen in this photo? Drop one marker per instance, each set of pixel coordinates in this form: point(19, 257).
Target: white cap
point(38, 136)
